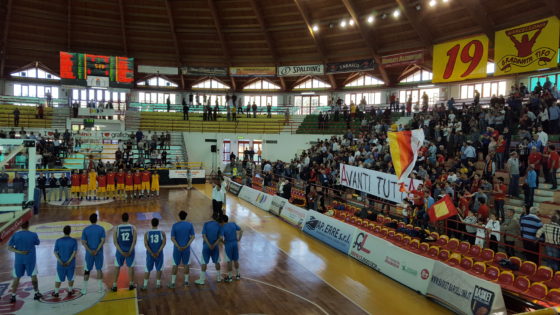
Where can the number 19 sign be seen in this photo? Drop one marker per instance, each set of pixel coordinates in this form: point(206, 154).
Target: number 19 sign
point(461, 59)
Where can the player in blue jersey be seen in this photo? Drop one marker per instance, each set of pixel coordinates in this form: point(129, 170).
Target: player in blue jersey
point(125, 240)
point(182, 235)
point(154, 240)
point(231, 234)
point(93, 238)
point(210, 247)
point(65, 250)
point(23, 245)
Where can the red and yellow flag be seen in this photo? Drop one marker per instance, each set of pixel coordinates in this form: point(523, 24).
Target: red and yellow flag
point(404, 146)
point(442, 209)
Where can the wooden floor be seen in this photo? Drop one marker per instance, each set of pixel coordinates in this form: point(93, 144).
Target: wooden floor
point(283, 270)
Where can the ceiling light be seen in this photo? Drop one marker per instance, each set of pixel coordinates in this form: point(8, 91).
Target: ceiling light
point(445, 1)
point(432, 3)
point(418, 7)
point(351, 22)
point(315, 28)
point(343, 23)
point(370, 19)
point(396, 13)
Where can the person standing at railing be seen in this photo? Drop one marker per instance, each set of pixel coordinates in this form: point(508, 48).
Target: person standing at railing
point(499, 197)
point(493, 229)
point(530, 185)
point(216, 109)
point(553, 165)
point(530, 223)
point(512, 166)
point(16, 117)
point(185, 110)
point(234, 113)
point(254, 110)
point(510, 227)
point(268, 111)
point(168, 102)
point(551, 233)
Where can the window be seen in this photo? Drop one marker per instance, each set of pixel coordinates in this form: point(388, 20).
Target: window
point(365, 80)
point(242, 145)
point(211, 84)
point(35, 73)
point(156, 98)
point(416, 95)
point(82, 96)
point(157, 81)
point(371, 98)
point(553, 77)
point(308, 104)
point(418, 76)
point(261, 100)
point(262, 85)
point(32, 90)
point(203, 98)
point(486, 89)
point(312, 84)
point(226, 150)
point(490, 67)
point(257, 146)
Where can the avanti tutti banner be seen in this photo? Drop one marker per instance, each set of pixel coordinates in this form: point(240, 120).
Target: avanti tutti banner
point(252, 71)
point(527, 47)
point(331, 231)
point(351, 66)
point(407, 58)
point(288, 71)
point(376, 183)
point(464, 292)
point(205, 71)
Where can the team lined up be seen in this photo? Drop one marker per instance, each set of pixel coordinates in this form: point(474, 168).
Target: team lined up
point(215, 232)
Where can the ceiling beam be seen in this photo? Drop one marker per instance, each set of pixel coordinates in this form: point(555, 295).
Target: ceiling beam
point(69, 25)
point(421, 30)
point(480, 15)
point(3, 48)
point(554, 6)
point(306, 18)
point(123, 28)
point(174, 36)
point(221, 38)
point(368, 38)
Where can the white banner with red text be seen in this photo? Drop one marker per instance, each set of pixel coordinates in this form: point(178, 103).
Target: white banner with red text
point(293, 214)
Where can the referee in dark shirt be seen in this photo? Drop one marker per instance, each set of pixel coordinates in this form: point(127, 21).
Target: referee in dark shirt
point(42, 185)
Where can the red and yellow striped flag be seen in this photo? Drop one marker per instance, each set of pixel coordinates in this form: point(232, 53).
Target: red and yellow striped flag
point(404, 146)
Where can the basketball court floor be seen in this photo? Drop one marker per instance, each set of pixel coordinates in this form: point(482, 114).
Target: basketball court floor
point(283, 270)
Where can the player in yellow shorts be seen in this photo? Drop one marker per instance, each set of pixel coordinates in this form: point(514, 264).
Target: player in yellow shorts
point(129, 187)
point(146, 183)
point(92, 184)
point(155, 184)
point(83, 184)
point(137, 183)
point(110, 184)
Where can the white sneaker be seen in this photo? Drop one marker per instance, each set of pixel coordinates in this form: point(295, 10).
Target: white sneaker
point(199, 282)
point(84, 291)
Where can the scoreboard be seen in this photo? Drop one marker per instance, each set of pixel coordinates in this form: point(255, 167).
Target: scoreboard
point(76, 67)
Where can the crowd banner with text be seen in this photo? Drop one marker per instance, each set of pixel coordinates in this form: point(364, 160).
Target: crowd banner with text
point(331, 231)
point(404, 266)
point(382, 185)
point(277, 204)
point(158, 70)
point(293, 214)
point(350, 66)
point(460, 59)
point(407, 58)
point(252, 71)
point(184, 174)
point(248, 194)
point(205, 71)
point(233, 187)
point(464, 292)
point(262, 200)
point(290, 71)
point(527, 47)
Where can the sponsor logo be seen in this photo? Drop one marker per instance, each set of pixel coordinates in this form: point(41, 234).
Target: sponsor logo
point(455, 289)
point(424, 274)
point(392, 262)
point(409, 270)
point(261, 198)
point(329, 230)
point(360, 242)
point(482, 300)
point(8, 231)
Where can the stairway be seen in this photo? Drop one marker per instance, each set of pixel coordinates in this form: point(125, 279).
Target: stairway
point(547, 200)
point(59, 117)
point(294, 123)
point(132, 121)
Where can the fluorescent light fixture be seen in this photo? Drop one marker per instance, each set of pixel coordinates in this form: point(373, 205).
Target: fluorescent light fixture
point(426, 86)
point(307, 93)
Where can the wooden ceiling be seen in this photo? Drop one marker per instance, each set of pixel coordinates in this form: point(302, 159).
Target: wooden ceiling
point(247, 32)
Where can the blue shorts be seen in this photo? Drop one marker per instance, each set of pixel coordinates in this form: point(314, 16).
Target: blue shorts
point(20, 269)
point(151, 262)
point(181, 256)
point(232, 252)
point(208, 254)
point(91, 260)
point(63, 273)
point(120, 259)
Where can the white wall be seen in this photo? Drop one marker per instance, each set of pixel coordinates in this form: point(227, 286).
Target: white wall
point(285, 149)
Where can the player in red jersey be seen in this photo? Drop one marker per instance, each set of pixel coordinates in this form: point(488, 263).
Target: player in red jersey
point(137, 183)
point(111, 184)
point(83, 184)
point(146, 183)
point(120, 176)
point(75, 182)
point(129, 180)
point(102, 186)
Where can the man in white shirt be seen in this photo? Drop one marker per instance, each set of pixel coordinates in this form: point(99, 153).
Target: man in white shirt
point(218, 197)
point(543, 137)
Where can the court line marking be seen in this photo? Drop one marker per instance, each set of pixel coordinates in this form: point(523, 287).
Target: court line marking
point(239, 200)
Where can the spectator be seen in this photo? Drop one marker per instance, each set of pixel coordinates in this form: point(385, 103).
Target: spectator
point(551, 233)
point(530, 223)
point(185, 110)
point(553, 165)
point(510, 227)
point(42, 185)
point(268, 110)
point(530, 185)
point(168, 102)
point(16, 117)
point(493, 228)
point(512, 166)
point(254, 110)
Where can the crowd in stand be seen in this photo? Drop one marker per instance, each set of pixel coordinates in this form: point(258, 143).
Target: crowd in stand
point(464, 149)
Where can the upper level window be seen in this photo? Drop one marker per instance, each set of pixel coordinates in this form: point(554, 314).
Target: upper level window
point(35, 73)
point(211, 84)
point(490, 67)
point(157, 81)
point(365, 80)
point(418, 76)
point(262, 85)
point(312, 84)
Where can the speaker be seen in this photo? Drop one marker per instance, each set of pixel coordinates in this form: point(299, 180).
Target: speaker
point(213, 148)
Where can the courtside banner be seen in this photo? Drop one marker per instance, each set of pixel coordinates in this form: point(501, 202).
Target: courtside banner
point(262, 200)
point(289, 71)
point(464, 292)
point(234, 187)
point(527, 47)
point(277, 204)
point(406, 267)
point(331, 231)
point(184, 174)
point(382, 185)
point(248, 194)
point(293, 214)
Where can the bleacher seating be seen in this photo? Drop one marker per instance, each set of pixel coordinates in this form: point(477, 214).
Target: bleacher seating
point(27, 118)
